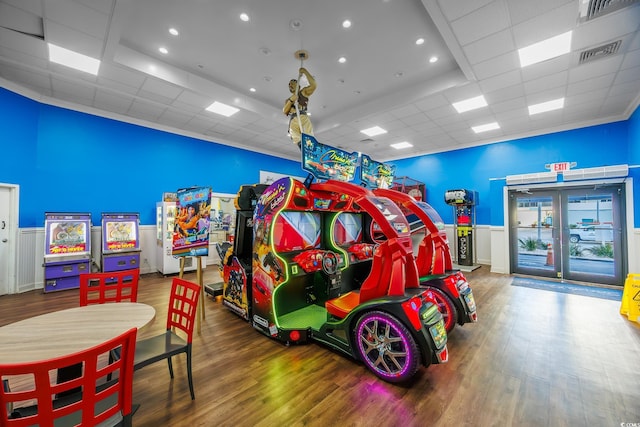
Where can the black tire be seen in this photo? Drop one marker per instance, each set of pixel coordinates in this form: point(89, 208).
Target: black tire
point(574, 238)
point(386, 346)
point(446, 307)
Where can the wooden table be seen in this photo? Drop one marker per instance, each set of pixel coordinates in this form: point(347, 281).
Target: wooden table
point(68, 331)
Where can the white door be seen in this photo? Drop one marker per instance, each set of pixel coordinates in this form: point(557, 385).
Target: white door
point(5, 239)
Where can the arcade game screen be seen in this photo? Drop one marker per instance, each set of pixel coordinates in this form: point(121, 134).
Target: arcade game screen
point(347, 229)
point(296, 231)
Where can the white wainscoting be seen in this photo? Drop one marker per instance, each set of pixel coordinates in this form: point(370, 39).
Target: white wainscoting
point(491, 249)
point(481, 243)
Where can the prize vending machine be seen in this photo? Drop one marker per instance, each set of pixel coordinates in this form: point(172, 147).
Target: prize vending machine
point(67, 249)
point(166, 263)
point(463, 202)
point(120, 241)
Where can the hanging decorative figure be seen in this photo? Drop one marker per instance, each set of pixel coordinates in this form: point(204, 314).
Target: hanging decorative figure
point(295, 107)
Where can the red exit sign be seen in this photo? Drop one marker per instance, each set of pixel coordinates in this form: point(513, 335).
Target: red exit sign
point(559, 167)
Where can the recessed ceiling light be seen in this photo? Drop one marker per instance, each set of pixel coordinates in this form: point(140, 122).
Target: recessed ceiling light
point(342, 60)
point(486, 127)
point(72, 59)
point(222, 109)
point(470, 104)
point(346, 23)
point(420, 41)
point(173, 32)
point(543, 107)
point(433, 59)
point(373, 131)
point(163, 50)
point(401, 145)
point(252, 89)
point(244, 17)
point(546, 49)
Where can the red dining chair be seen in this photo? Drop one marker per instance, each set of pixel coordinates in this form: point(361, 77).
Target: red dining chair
point(183, 305)
point(112, 286)
point(100, 402)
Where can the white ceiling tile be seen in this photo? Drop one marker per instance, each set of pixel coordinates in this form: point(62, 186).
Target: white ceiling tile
point(71, 14)
point(455, 9)
point(145, 111)
point(162, 88)
point(590, 84)
point(70, 38)
point(625, 88)
point(552, 66)
point(105, 100)
point(545, 25)
point(524, 10)
point(595, 68)
point(547, 82)
point(496, 66)
point(500, 81)
point(631, 59)
point(489, 47)
point(481, 22)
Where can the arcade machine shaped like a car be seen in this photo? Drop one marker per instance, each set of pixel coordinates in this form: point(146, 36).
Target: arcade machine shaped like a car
point(318, 273)
point(433, 259)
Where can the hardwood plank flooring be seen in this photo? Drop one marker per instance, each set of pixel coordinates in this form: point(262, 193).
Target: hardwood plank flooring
point(535, 358)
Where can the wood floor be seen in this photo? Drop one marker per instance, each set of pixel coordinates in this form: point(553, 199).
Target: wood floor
point(535, 358)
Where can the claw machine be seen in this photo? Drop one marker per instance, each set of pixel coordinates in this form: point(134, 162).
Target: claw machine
point(120, 241)
point(166, 263)
point(67, 249)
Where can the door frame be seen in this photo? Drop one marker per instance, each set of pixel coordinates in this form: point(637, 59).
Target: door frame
point(630, 260)
point(9, 276)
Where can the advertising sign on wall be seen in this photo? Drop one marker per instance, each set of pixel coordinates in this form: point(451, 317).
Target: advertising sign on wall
point(191, 230)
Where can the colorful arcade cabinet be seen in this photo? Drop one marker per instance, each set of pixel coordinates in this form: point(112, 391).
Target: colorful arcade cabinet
point(67, 249)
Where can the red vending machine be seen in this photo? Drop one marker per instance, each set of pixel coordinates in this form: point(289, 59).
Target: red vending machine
point(120, 241)
point(67, 249)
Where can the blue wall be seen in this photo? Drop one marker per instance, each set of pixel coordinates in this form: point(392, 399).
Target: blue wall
point(69, 161)
point(66, 161)
point(484, 168)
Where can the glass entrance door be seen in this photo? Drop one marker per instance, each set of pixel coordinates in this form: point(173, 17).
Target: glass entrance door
point(534, 216)
point(592, 234)
point(569, 233)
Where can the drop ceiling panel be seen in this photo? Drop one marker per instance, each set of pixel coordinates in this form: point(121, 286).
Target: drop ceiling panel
point(386, 81)
point(481, 22)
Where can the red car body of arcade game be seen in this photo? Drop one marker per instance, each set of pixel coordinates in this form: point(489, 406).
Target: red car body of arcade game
point(450, 288)
point(333, 263)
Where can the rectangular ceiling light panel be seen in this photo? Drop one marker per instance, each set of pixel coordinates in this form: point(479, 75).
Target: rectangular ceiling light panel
point(546, 49)
point(72, 59)
point(470, 104)
point(376, 130)
point(486, 127)
point(222, 109)
point(543, 107)
point(401, 145)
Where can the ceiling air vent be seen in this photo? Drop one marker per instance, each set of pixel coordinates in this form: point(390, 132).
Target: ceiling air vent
point(600, 52)
point(592, 9)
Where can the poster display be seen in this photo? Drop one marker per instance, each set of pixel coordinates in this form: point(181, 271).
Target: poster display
point(326, 162)
point(191, 226)
point(375, 174)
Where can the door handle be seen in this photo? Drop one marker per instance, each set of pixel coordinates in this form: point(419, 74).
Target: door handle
point(4, 240)
point(4, 225)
